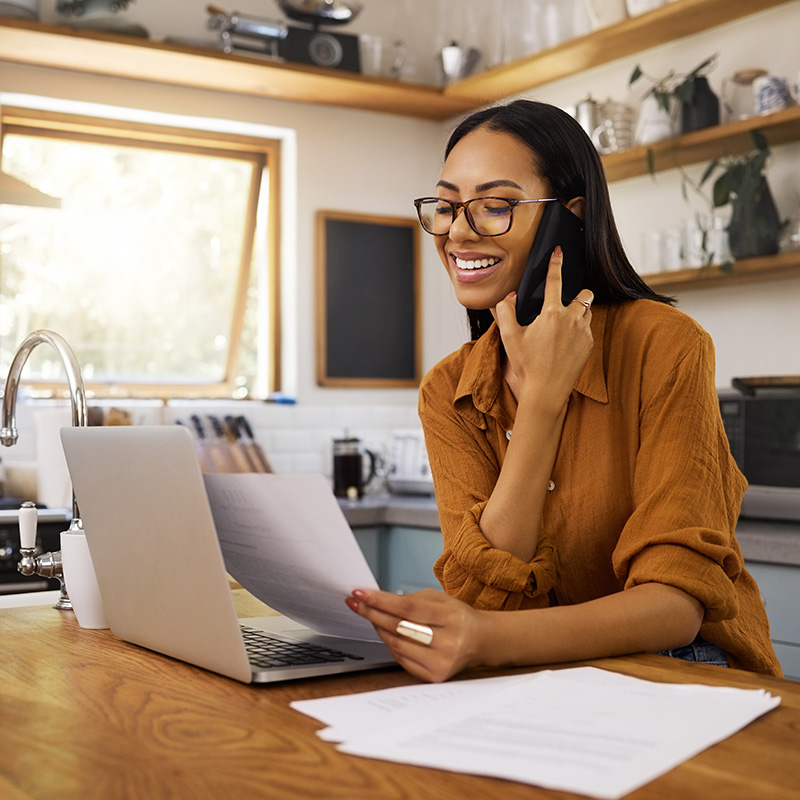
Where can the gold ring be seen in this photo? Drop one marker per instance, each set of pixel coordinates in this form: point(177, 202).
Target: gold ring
point(584, 303)
point(418, 633)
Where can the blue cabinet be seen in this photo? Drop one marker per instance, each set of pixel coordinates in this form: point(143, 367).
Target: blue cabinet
point(408, 557)
point(401, 557)
point(780, 588)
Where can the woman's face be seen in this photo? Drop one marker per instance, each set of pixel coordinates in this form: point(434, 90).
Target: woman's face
point(486, 163)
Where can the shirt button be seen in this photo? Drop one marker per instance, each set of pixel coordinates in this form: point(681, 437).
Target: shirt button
point(551, 485)
point(508, 435)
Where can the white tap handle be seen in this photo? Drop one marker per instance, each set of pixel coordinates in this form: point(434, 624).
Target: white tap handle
point(28, 518)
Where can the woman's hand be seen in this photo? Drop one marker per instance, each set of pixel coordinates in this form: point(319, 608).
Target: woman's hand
point(456, 626)
point(548, 355)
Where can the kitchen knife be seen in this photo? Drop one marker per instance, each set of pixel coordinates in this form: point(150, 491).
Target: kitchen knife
point(259, 458)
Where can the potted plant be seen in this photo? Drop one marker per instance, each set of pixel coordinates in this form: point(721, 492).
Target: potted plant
point(691, 93)
point(755, 226)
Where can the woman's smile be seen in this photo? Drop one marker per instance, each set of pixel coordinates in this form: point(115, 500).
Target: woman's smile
point(469, 267)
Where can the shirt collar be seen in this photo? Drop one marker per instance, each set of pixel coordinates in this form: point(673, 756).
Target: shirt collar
point(482, 376)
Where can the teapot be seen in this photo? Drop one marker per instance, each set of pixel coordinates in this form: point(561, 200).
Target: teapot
point(353, 467)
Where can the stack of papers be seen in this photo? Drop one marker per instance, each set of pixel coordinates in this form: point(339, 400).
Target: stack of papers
point(583, 730)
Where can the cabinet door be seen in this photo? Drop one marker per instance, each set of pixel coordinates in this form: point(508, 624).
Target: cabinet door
point(780, 589)
point(408, 558)
point(369, 540)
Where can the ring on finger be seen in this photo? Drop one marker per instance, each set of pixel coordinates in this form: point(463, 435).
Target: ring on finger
point(417, 633)
point(585, 303)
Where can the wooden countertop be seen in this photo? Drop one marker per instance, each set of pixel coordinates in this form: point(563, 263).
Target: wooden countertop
point(86, 716)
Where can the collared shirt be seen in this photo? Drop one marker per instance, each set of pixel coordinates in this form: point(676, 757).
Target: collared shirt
point(643, 489)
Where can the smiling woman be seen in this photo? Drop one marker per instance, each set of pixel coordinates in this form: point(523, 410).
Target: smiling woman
point(148, 267)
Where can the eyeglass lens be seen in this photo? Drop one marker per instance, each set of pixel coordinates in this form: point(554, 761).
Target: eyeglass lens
point(488, 216)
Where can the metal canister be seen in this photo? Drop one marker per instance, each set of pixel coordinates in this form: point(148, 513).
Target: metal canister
point(587, 113)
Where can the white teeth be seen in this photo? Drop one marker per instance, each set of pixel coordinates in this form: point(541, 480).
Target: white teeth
point(478, 264)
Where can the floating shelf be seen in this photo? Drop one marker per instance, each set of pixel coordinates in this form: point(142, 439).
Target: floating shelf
point(691, 148)
point(669, 22)
point(61, 47)
point(79, 50)
point(784, 265)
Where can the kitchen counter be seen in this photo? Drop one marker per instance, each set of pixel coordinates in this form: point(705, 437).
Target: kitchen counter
point(413, 511)
point(764, 541)
point(769, 541)
point(86, 715)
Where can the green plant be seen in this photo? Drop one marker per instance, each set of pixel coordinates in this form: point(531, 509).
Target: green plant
point(674, 86)
point(741, 182)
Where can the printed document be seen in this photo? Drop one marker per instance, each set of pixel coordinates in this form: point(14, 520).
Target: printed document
point(281, 532)
point(583, 730)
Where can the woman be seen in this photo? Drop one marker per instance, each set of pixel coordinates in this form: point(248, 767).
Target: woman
point(583, 478)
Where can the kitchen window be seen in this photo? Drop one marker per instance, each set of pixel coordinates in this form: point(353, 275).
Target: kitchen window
point(161, 266)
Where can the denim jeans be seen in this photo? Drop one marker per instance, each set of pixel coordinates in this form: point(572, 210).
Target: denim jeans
point(701, 651)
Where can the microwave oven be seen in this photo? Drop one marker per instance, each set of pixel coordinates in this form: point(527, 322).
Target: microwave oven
point(763, 429)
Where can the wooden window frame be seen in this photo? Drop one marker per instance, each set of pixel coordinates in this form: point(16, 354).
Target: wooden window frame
point(263, 153)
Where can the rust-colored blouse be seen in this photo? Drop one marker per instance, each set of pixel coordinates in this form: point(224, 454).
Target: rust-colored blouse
point(644, 488)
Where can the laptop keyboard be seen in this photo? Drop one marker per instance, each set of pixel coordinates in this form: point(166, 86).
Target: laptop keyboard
point(267, 652)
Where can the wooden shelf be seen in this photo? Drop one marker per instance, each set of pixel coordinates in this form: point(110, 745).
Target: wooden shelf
point(64, 48)
point(664, 24)
point(99, 53)
point(692, 148)
point(80, 50)
point(783, 265)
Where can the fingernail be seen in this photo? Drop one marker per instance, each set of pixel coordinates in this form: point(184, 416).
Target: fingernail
point(360, 594)
point(351, 604)
point(557, 251)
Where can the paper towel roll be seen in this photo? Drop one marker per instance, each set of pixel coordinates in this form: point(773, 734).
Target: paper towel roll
point(81, 581)
point(54, 488)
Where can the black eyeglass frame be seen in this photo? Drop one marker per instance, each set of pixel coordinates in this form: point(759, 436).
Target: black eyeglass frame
point(513, 203)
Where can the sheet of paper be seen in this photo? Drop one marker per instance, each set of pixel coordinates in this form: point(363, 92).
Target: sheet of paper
point(349, 717)
point(583, 730)
point(285, 539)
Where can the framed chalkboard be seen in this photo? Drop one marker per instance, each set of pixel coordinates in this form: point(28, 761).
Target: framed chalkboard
point(368, 309)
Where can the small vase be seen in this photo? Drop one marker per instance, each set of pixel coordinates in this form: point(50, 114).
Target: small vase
point(654, 123)
point(755, 227)
point(703, 111)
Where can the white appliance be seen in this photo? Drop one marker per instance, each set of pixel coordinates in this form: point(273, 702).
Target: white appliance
point(409, 470)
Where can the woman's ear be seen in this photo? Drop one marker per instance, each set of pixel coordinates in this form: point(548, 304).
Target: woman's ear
point(578, 206)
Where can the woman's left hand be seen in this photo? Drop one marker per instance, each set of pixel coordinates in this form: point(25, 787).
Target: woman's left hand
point(456, 629)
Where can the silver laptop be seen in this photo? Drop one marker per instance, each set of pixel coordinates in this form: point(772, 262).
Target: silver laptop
point(161, 573)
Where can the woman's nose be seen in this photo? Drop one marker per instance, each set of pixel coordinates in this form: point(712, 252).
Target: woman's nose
point(460, 227)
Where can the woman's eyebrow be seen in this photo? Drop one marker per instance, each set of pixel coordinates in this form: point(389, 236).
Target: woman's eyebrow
point(481, 187)
point(494, 184)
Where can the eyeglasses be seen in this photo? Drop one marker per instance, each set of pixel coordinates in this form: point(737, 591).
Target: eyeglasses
point(487, 216)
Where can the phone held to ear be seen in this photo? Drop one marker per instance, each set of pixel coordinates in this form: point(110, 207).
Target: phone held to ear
point(559, 226)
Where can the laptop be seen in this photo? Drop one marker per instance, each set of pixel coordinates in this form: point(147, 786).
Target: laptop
point(154, 546)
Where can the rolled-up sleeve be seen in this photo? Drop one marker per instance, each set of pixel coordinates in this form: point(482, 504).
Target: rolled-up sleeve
point(687, 490)
point(465, 463)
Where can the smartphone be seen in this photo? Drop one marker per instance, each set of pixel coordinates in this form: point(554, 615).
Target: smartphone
point(559, 226)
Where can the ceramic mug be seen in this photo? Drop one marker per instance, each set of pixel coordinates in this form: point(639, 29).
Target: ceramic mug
point(81, 581)
point(771, 94)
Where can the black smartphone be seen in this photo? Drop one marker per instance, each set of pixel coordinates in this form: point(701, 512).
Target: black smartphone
point(559, 226)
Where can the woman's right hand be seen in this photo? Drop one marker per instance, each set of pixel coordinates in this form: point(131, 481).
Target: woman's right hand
point(548, 356)
point(458, 630)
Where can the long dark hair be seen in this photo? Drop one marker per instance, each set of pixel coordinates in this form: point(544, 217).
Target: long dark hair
point(565, 157)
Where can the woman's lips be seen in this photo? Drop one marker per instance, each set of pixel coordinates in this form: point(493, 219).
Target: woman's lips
point(471, 268)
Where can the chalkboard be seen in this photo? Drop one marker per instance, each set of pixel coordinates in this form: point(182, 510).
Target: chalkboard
point(368, 318)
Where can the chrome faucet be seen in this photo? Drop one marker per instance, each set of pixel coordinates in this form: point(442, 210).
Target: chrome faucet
point(48, 564)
